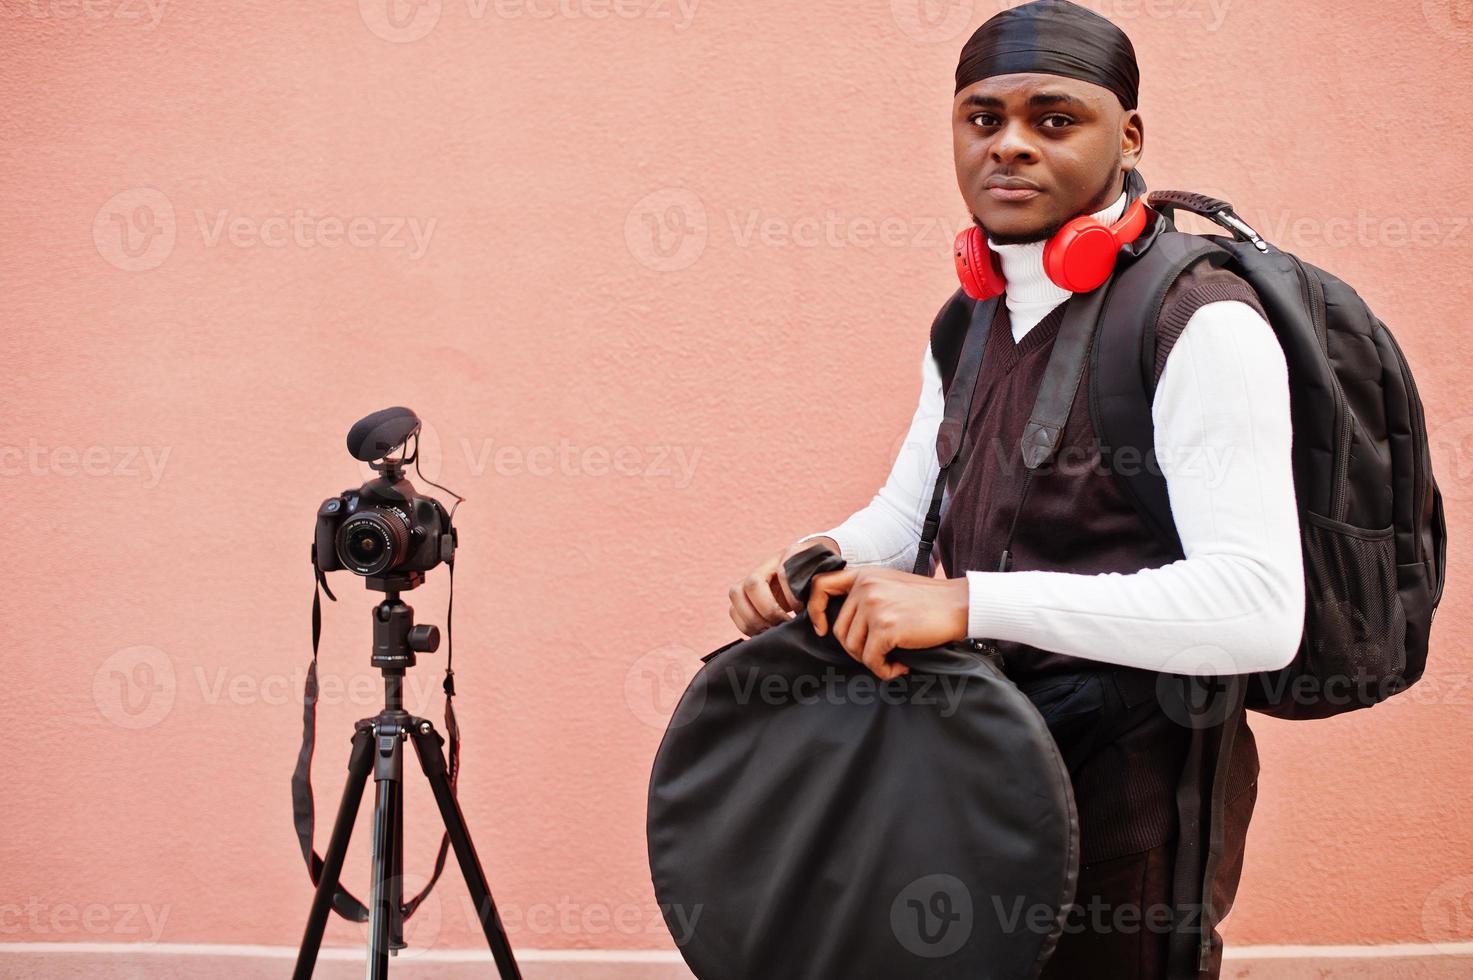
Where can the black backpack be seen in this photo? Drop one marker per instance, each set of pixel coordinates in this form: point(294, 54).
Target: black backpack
point(1371, 515)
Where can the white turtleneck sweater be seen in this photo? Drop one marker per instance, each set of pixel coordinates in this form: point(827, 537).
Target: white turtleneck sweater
point(1235, 603)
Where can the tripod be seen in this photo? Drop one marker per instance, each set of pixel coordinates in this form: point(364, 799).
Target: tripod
point(378, 745)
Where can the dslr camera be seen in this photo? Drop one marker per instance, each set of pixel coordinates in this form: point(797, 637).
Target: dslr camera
point(384, 530)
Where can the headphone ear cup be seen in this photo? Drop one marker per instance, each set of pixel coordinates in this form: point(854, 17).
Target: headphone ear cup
point(1081, 256)
point(976, 265)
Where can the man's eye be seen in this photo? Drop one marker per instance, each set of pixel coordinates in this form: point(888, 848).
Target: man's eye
point(1063, 121)
point(984, 119)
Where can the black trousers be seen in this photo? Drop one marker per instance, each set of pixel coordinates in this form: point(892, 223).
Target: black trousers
point(1118, 927)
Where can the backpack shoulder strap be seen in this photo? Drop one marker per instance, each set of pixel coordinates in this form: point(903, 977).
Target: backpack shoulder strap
point(959, 381)
point(1123, 369)
point(947, 333)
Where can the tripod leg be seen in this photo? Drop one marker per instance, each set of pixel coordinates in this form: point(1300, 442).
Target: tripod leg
point(359, 763)
point(396, 871)
point(388, 773)
point(427, 744)
point(378, 904)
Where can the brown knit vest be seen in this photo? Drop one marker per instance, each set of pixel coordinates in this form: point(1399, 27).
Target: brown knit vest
point(1077, 518)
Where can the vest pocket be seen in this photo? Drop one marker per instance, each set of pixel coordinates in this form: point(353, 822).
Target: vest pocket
point(1355, 626)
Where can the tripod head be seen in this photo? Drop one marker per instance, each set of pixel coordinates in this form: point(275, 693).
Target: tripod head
point(396, 638)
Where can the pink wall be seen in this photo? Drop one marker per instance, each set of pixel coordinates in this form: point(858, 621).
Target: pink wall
point(656, 255)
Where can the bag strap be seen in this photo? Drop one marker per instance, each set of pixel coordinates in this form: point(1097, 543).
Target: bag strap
point(1122, 371)
point(1210, 750)
point(1056, 394)
point(954, 423)
point(1044, 431)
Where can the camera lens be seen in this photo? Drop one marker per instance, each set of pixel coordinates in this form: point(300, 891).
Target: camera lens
point(373, 541)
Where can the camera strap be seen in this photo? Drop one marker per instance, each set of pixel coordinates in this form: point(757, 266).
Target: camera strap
point(303, 810)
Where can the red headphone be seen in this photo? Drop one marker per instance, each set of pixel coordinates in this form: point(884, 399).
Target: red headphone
point(1079, 258)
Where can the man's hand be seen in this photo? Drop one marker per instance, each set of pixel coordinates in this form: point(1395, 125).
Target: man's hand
point(763, 598)
point(886, 609)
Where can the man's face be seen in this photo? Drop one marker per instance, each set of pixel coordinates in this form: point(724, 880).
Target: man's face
point(1062, 142)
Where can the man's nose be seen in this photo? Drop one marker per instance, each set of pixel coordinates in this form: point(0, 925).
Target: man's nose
point(1014, 143)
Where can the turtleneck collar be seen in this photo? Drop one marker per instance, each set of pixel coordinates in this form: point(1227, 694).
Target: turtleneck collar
point(1030, 292)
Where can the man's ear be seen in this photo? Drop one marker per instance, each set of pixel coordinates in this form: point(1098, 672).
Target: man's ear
point(1132, 140)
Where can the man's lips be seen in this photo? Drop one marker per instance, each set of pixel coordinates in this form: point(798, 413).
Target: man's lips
point(1011, 188)
point(1013, 193)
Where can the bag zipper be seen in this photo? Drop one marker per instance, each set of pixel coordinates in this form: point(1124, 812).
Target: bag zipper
point(1340, 461)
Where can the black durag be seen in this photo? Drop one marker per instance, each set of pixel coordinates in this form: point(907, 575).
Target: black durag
point(1055, 37)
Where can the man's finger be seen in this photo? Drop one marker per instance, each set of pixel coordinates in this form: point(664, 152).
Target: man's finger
point(844, 622)
point(852, 636)
point(823, 586)
point(759, 594)
point(876, 648)
point(743, 614)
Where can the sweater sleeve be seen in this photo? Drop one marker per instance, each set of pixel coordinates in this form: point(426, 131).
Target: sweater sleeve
point(1235, 602)
point(887, 531)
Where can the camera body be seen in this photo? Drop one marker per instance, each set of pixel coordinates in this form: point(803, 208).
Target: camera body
point(383, 528)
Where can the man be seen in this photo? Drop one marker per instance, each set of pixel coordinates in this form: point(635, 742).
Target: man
point(1045, 128)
